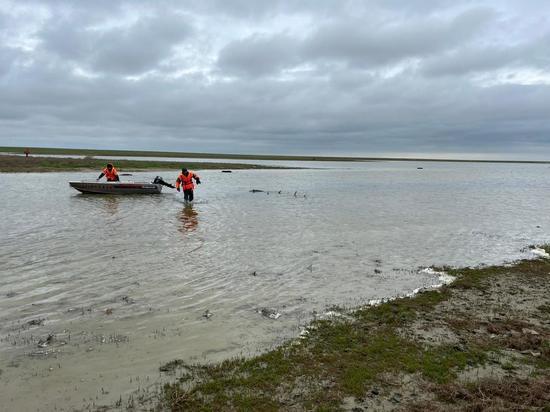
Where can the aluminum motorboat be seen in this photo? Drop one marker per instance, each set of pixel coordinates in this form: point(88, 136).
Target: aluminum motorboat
point(120, 188)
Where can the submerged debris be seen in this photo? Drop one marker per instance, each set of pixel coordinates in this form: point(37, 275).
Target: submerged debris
point(128, 300)
point(269, 313)
point(36, 322)
point(279, 192)
point(42, 343)
point(43, 353)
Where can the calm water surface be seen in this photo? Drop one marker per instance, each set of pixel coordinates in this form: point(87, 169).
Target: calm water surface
point(122, 282)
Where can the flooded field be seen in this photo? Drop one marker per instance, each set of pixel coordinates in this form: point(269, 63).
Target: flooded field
point(96, 292)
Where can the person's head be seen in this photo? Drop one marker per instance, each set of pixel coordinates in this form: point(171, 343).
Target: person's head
point(184, 170)
point(109, 166)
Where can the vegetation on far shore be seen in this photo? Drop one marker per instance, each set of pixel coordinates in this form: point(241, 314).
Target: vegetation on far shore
point(144, 153)
point(385, 356)
point(21, 164)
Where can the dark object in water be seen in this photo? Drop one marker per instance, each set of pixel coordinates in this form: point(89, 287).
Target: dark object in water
point(269, 313)
point(36, 322)
point(128, 300)
point(207, 314)
point(42, 343)
point(257, 191)
point(159, 180)
point(420, 168)
point(227, 171)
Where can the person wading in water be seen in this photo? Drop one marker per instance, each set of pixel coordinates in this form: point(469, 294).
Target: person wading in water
point(185, 179)
point(110, 173)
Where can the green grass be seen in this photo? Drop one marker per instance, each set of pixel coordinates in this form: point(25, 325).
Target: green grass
point(14, 164)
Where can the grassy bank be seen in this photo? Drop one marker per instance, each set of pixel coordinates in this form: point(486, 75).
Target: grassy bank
point(20, 164)
point(480, 343)
point(143, 153)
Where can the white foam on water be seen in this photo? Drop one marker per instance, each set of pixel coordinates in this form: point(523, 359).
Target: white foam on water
point(443, 277)
point(540, 253)
point(332, 313)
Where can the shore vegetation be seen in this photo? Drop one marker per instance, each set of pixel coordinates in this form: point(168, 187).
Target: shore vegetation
point(34, 164)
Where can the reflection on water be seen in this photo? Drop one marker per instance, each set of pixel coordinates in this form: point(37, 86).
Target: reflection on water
point(111, 204)
point(124, 281)
point(189, 219)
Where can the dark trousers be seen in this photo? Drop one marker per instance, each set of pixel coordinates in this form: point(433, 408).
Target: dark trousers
point(188, 195)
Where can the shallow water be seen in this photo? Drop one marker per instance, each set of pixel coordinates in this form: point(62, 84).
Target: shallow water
point(123, 282)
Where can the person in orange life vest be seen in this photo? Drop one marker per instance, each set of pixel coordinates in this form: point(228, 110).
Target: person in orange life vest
point(185, 179)
point(110, 173)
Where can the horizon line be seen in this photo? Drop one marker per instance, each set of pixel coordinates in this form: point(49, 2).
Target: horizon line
point(281, 157)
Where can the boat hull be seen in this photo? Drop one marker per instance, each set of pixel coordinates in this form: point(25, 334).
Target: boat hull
point(117, 188)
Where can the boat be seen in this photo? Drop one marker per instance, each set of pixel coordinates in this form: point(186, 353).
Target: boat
point(120, 188)
point(117, 188)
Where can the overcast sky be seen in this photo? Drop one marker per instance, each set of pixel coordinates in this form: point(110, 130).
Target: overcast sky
point(373, 77)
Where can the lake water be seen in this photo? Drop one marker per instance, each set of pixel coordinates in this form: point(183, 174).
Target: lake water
point(123, 282)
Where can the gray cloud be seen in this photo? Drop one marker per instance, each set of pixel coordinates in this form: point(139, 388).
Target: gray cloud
point(278, 77)
point(258, 55)
point(534, 54)
point(131, 49)
point(377, 44)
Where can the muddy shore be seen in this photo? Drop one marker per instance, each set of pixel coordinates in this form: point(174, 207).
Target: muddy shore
point(21, 164)
point(480, 343)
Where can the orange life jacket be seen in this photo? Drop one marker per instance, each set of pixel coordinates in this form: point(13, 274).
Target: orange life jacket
point(186, 181)
point(110, 175)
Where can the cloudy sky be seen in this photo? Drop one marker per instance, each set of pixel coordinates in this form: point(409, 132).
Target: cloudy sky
point(372, 77)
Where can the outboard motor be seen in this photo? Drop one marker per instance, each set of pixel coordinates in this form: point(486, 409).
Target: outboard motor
point(159, 180)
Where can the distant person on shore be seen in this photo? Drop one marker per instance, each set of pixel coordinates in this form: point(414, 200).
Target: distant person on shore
point(185, 179)
point(110, 173)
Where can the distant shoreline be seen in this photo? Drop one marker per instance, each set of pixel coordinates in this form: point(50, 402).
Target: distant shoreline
point(21, 164)
point(221, 156)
